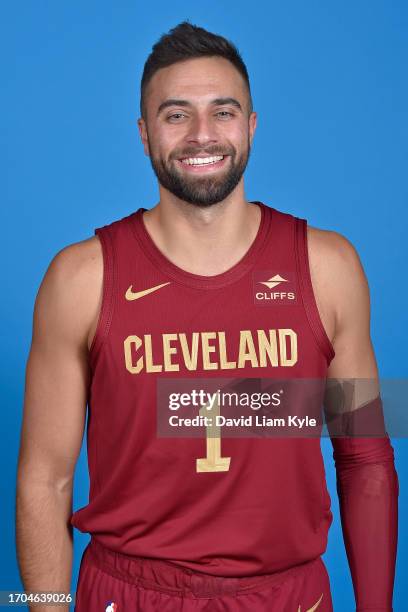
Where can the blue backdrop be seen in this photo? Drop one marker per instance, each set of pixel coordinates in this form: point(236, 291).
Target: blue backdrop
point(330, 91)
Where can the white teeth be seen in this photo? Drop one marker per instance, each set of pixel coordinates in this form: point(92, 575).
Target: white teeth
point(199, 161)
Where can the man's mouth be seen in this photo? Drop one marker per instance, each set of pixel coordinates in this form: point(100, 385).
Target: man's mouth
point(197, 161)
point(203, 163)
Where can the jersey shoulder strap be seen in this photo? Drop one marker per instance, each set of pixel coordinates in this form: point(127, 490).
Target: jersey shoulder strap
point(118, 251)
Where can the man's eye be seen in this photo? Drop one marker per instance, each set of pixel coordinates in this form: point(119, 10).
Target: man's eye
point(225, 113)
point(176, 115)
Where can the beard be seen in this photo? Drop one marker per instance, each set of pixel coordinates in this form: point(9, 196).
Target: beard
point(198, 190)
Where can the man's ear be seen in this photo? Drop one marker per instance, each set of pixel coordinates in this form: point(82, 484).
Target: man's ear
point(143, 135)
point(252, 126)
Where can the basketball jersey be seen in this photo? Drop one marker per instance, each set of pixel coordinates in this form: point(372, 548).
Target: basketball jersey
point(268, 509)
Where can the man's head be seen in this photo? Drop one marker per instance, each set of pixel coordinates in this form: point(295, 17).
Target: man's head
point(196, 103)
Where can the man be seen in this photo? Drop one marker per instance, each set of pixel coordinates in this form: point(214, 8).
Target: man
point(203, 286)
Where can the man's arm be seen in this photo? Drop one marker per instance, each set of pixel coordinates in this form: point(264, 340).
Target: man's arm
point(57, 378)
point(367, 482)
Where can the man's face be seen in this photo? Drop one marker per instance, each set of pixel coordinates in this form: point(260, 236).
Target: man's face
point(198, 109)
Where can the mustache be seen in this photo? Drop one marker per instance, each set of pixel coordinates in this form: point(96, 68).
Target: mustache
point(195, 153)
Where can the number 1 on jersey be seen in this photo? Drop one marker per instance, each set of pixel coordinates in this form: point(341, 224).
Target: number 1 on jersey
point(213, 462)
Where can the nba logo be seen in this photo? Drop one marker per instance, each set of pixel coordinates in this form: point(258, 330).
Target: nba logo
point(111, 607)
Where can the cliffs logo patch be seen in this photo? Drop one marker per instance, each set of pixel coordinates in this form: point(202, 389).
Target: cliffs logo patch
point(273, 288)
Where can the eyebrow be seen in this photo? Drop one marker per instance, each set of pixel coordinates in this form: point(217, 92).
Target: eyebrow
point(186, 103)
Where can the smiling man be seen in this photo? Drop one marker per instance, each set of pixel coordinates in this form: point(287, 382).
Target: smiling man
point(204, 284)
point(190, 174)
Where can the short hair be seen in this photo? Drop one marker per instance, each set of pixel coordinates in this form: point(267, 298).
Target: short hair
point(188, 41)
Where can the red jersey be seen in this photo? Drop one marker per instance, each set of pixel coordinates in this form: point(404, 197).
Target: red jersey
point(267, 508)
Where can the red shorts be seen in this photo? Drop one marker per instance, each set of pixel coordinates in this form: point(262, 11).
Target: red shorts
point(113, 582)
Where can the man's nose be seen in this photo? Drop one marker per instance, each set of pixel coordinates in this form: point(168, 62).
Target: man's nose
point(202, 130)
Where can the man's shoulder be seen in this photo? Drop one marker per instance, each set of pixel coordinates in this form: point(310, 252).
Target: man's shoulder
point(77, 261)
point(85, 257)
point(333, 251)
point(337, 272)
point(70, 291)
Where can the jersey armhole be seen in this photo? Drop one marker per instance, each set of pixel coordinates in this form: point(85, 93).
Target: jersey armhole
point(307, 292)
point(106, 309)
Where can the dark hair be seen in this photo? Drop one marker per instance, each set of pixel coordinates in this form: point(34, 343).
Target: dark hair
point(188, 41)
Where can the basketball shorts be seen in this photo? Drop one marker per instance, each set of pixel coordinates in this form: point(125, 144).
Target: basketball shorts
point(113, 582)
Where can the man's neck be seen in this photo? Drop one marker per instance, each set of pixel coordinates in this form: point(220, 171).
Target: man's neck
point(205, 241)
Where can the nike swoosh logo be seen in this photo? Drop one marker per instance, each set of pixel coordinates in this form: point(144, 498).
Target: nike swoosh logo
point(130, 295)
point(313, 608)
